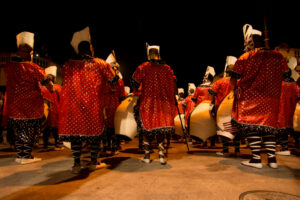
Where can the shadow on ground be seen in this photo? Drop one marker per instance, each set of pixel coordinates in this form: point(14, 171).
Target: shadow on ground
point(282, 171)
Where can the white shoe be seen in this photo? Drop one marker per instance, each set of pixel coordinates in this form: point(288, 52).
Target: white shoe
point(162, 161)
point(255, 165)
point(283, 153)
point(18, 160)
point(29, 160)
point(273, 165)
point(146, 160)
point(221, 153)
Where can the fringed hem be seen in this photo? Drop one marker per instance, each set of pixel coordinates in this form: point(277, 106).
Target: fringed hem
point(166, 131)
point(247, 129)
point(80, 138)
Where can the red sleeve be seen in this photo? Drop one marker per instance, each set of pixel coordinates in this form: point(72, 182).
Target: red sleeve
point(121, 88)
point(239, 65)
point(139, 73)
point(37, 72)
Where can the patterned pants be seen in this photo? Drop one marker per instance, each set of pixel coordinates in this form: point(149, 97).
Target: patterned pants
point(76, 147)
point(25, 131)
point(147, 145)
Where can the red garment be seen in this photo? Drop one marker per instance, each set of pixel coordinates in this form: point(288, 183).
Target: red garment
point(189, 106)
point(82, 98)
point(290, 92)
point(112, 101)
point(157, 98)
point(24, 98)
point(221, 88)
point(201, 93)
point(4, 112)
point(53, 97)
point(180, 108)
point(259, 89)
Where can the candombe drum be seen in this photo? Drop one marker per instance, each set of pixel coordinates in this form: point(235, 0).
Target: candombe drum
point(178, 126)
point(296, 119)
point(202, 124)
point(224, 118)
point(124, 121)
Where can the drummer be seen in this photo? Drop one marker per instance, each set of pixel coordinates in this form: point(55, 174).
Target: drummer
point(114, 95)
point(155, 110)
point(81, 114)
point(201, 94)
point(257, 100)
point(288, 100)
point(189, 104)
point(219, 90)
point(25, 106)
point(53, 97)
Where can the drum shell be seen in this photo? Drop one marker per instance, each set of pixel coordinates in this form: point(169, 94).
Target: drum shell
point(124, 121)
point(178, 126)
point(202, 125)
point(296, 118)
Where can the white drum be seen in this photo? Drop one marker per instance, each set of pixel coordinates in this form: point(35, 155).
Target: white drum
point(202, 124)
point(225, 127)
point(178, 126)
point(296, 119)
point(124, 121)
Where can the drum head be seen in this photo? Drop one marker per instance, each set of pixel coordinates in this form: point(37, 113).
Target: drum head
point(202, 124)
point(178, 126)
point(124, 121)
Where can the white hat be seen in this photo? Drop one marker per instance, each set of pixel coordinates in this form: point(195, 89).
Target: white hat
point(230, 60)
point(152, 47)
point(111, 58)
point(180, 90)
point(25, 38)
point(292, 63)
point(51, 70)
point(249, 31)
point(80, 36)
point(191, 86)
point(210, 70)
point(127, 89)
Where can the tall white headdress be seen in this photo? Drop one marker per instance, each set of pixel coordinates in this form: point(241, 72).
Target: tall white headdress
point(51, 70)
point(230, 60)
point(292, 63)
point(148, 47)
point(180, 90)
point(80, 36)
point(191, 86)
point(210, 70)
point(248, 32)
point(25, 38)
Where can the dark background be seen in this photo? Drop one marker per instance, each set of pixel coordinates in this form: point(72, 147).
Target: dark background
point(191, 35)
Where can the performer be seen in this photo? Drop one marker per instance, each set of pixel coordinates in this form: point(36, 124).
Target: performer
point(25, 108)
point(202, 94)
point(290, 93)
point(52, 121)
point(219, 90)
point(155, 110)
point(81, 113)
point(189, 104)
point(256, 104)
point(113, 97)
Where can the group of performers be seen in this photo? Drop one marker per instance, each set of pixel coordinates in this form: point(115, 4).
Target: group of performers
point(82, 109)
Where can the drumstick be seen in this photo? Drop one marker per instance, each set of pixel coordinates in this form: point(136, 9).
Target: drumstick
point(184, 132)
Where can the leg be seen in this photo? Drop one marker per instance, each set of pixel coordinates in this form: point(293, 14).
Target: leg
point(254, 141)
point(283, 140)
point(236, 143)
point(270, 146)
point(76, 147)
point(46, 134)
point(225, 143)
point(147, 147)
point(160, 143)
point(141, 142)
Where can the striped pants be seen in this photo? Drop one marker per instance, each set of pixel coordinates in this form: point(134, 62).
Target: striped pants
point(255, 142)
